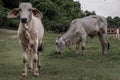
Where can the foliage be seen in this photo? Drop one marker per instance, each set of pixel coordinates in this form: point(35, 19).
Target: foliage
point(10, 4)
point(88, 13)
point(4, 22)
point(58, 13)
point(113, 22)
point(1, 2)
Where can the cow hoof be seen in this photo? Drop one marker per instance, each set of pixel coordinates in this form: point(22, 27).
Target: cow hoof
point(105, 55)
point(77, 53)
point(36, 74)
point(24, 74)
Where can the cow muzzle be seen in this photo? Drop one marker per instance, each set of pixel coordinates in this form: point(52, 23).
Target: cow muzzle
point(24, 20)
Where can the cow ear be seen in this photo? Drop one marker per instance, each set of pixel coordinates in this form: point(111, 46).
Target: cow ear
point(13, 13)
point(59, 36)
point(37, 13)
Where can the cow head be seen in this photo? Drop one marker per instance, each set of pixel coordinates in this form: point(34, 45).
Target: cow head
point(25, 12)
point(60, 44)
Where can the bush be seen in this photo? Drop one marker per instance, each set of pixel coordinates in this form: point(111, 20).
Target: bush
point(4, 22)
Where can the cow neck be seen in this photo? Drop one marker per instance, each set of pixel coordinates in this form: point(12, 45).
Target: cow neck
point(26, 26)
point(67, 43)
point(67, 37)
point(26, 30)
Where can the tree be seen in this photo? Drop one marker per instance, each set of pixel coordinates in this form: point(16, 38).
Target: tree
point(88, 13)
point(10, 4)
point(1, 3)
point(113, 22)
point(4, 22)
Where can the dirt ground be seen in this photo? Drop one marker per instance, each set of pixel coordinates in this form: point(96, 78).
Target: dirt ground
point(7, 33)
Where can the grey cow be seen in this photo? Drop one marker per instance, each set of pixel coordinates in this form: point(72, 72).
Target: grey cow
point(81, 28)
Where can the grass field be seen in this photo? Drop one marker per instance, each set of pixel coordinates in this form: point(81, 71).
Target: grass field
point(68, 66)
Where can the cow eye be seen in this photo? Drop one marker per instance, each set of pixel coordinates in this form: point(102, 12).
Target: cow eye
point(20, 10)
point(30, 9)
point(56, 43)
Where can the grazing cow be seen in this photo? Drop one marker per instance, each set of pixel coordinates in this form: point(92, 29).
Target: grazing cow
point(30, 33)
point(80, 29)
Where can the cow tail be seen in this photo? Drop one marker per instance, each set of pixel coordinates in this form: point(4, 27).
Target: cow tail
point(108, 44)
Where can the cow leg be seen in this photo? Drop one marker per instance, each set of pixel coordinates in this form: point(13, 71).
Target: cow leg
point(31, 60)
point(35, 59)
point(24, 55)
point(24, 58)
point(77, 48)
point(38, 63)
point(83, 41)
point(39, 50)
point(104, 43)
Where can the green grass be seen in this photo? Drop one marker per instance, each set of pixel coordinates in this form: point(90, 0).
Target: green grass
point(68, 66)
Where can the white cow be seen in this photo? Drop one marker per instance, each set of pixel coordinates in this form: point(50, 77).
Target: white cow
point(30, 33)
point(80, 29)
